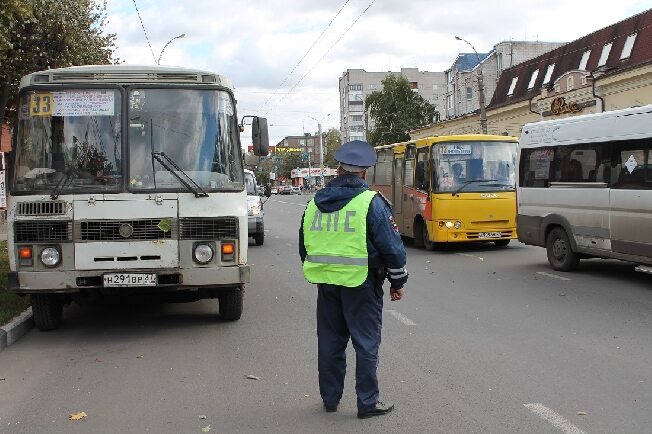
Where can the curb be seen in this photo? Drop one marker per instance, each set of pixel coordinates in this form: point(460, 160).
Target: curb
point(16, 328)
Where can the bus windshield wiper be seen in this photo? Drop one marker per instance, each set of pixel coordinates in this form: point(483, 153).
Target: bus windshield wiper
point(473, 181)
point(65, 179)
point(175, 170)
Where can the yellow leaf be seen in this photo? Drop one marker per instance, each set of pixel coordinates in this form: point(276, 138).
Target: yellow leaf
point(206, 428)
point(77, 416)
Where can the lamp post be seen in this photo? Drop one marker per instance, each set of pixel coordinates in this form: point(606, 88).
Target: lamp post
point(483, 112)
point(158, 62)
point(321, 149)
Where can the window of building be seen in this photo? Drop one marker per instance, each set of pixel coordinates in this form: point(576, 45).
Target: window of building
point(371, 87)
point(449, 102)
point(512, 86)
point(570, 83)
point(469, 93)
point(414, 85)
point(584, 60)
point(627, 48)
point(459, 95)
point(533, 79)
point(355, 87)
point(605, 54)
point(499, 63)
point(434, 87)
point(356, 118)
point(548, 76)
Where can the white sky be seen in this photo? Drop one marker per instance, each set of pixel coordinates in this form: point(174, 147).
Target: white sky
point(257, 44)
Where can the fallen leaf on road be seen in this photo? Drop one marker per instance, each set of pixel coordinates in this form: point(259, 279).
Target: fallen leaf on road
point(581, 413)
point(562, 294)
point(202, 416)
point(77, 416)
point(206, 428)
point(2, 378)
point(252, 377)
point(140, 356)
point(97, 360)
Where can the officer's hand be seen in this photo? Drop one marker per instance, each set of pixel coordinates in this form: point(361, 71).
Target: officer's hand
point(396, 294)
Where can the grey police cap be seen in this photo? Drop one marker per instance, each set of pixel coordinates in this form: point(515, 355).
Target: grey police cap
point(355, 156)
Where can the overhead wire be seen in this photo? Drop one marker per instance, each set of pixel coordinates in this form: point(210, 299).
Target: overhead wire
point(305, 55)
point(145, 31)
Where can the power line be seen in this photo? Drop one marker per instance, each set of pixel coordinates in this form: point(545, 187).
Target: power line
point(328, 51)
point(306, 54)
point(144, 31)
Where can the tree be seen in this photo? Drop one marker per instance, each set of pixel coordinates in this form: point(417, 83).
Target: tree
point(289, 161)
point(332, 141)
point(396, 110)
point(44, 34)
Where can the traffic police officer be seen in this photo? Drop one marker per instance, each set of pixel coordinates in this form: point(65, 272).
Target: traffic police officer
point(349, 244)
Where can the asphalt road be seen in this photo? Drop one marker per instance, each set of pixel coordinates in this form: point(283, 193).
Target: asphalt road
point(486, 340)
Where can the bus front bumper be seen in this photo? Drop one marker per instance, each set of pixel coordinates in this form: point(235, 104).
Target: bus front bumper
point(445, 235)
point(64, 281)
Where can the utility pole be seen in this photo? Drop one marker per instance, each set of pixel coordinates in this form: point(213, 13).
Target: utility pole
point(321, 157)
point(483, 111)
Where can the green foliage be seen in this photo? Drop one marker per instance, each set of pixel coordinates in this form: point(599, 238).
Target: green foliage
point(396, 110)
point(43, 34)
point(290, 161)
point(10, 304)
point(333, 140)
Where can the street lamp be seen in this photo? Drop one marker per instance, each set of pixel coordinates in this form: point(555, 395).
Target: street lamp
point(321, 149)
point(158, 62)
point(483, 112)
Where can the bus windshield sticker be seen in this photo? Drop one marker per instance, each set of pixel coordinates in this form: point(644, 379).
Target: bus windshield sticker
point(542, 160)
point(73, 103)
point(455, 149)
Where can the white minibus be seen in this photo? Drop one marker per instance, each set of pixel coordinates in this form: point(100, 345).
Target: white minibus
point(585, 187)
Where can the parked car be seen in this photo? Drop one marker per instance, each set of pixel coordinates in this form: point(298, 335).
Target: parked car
point(274, 190)
point(285, 189)
point(296, 190)
point(256, 225)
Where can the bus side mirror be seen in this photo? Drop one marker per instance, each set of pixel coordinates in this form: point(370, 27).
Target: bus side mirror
point(260, 136)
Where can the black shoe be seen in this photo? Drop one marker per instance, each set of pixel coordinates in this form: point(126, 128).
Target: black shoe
point(378, 410)
point(330, 408)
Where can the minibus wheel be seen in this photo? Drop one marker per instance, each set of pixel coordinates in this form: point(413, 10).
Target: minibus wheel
point(259, 238)
point(47, 310)
point(230, 304)
point(560, 251)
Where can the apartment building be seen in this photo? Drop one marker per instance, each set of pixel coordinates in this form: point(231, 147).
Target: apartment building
point(356, 84)
point(462, 95)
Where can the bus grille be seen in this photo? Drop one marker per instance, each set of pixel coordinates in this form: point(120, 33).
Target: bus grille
point(208, 228)
point(41, 208)
point(42, 231)
point(123, 230)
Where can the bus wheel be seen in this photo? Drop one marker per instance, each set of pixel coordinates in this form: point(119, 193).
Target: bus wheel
point(230, 303)
point(47, 310)
point(429, 245)
point(418, 233)
point(501, 243)
point(560, 253)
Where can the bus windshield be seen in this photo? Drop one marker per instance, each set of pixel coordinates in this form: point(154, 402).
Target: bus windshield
point(69, 139)
point(196, 129)
point(474, 166)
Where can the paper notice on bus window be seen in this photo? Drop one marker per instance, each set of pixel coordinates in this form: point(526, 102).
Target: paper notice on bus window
point(542, 159)
point(455, 149)
point(3, 190)
point(73, 103)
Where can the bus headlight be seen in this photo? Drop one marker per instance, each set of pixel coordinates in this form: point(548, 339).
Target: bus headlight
point(203, 253)
point(50, 257)
point(458, 224)
point(449, 225)
point(254, 209)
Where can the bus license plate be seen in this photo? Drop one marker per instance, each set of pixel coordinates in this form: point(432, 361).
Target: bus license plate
point(127, 279)
point(489, 235)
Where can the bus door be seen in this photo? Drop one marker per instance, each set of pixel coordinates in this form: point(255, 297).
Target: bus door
point(410, 199)
point(397, 192)
point(630, 201)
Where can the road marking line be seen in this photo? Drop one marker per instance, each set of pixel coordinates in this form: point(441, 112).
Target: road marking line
point(553, 418)
point(399, 316)
point(471, 256)
point(554, 276)
point(291, 203)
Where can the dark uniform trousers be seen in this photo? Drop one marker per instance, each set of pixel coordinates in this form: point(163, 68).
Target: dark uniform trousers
point(344, 313)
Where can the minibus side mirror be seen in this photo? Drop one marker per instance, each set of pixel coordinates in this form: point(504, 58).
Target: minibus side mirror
point(260, 136)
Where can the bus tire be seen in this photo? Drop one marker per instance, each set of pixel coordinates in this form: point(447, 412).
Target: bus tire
point(259, 238)
point(230, 304)
point(427, 244)
point(560, 252)
point(418, 233)
point(47, 310)
point(501, 243)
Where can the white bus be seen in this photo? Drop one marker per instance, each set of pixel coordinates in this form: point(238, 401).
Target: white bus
point(128, 181)
point(585, 187)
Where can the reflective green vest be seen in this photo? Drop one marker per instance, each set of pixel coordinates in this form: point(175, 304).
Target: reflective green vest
point(336, 243)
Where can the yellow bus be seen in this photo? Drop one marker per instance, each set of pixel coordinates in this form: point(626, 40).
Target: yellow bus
point(450, 189)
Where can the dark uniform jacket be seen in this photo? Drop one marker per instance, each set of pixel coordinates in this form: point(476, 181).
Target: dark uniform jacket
point(384, 245)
